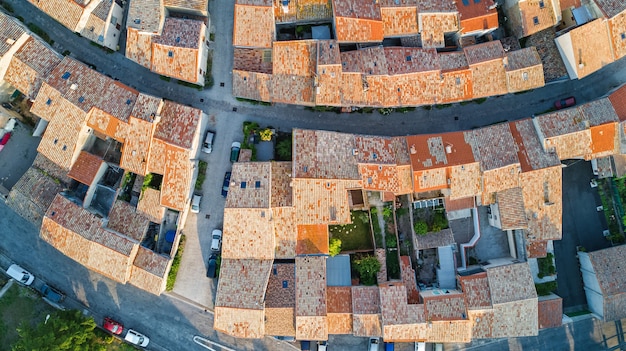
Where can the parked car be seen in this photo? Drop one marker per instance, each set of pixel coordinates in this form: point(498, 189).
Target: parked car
point(7, 105)
point(226, 184)
point(51, 294)
point(322, 346)
point(305, 345)
point(195, 203)
point(211, 271)
point(207, 144)
point(113, 326)
point(234, 151)
point(136, 338)
point(216, 241)
point(564, 103)
point(20, 274)
point(389, 346)
point(4, 140)
point(373, 344)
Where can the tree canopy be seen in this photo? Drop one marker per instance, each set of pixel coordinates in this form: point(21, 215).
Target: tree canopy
point(368, 268)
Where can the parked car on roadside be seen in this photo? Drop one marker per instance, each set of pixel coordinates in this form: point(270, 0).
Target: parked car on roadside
point(136, 338)
point(211, 271)
point(195, 203)
point(4, 140)
point(51, 294)
point(207, 144)
point(322, 346)
point(226, 184)
point(113, 326)
point(234, 151)
point(373, 344)
point(20, 274)
point(564, 103)
point(216, 240)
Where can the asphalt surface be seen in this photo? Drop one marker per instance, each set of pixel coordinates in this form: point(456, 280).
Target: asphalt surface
point(582, 226)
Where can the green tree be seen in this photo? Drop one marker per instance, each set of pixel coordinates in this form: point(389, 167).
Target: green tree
point(334, 247)
point(283, 149)
point(368, 267)
point(420, 227)
point(64, 330)
point(390, 240)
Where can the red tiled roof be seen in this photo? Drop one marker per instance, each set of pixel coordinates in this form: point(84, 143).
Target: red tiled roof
point(339, 299)
point(440, 150)
point(476, 289)
point(618, 100)
point(550, 312)
point(459, 204)
point(85, 168)
point(178, 124)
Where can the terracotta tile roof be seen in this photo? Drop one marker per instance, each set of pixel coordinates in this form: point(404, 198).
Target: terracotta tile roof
point(611, 8)
point(85, 168)
point(125, 219)
point(387, 178)
point(148, 13)
point(180, 33)
point(617, 26)
point(242, 283)
point(285, 232)
point(550, 309)
point(319, 201)
point(453, 60)
point(10, 32)
point(543, 201)
point(437, 151)
point(197, 5)
point(250, 185)
point(280, 192)
point(365, 300)
point(294, 58)
point(137, 146)
point(435, 239)
point(311, 286)
point(489, 78)
point(177, 51)
point(339, 299)
point(476, 289)
point(150, 205)
point(408, 279)
point(280, 321)
point(86, 88)
point(531, 153)
point(302, 10)
point(311, 328)
point(395, 310)
point(435, 332)
point(607, 265)
point(436, 6)
point(518, 318)
point(312, 239)
point(531, 10)
point(253, 60)
point(328, 52)
point(598, 112)
point(151, 262)
point(483, 142)
point(510, 283)
point(618, 100)
point(31, 196)
point(139, 47)
point(254, 26)
point(511, 206)
point(291, 89)
point(358, 9)
point(281, 287)
point(69, 17)
point(178, 125)
point(176, 178)
point(357, 21)
point(376, 150)
point(30, 65)
point(459, 204)
point(322, 154)
point(240, 322)
point(433, 26)
point(446, 307)
point(399, 21)
point(604, 140)
point(536, 249)
point(366, 325)
point(524, 70)
point(484, 52)
point(477, 15)
point(252, 238)
point(251, 85)
point(561, 122)
point(339, 323)
point(591, 46)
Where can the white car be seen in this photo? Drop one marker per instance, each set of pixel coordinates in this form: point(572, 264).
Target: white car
point(195, 203)
point(136, 338)
point(373, 344)
point(216, 241)
point(20, 274)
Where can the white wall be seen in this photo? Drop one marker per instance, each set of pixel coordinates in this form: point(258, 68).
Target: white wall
point(111, 33)
point(564, 44)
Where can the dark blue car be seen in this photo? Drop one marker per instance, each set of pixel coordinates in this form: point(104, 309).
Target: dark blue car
point(51, 294)
point(226, 184)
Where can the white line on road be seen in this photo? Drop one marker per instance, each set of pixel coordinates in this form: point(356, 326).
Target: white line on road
point(201, 341)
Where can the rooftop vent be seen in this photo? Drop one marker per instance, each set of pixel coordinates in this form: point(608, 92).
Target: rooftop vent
point(448, 149)
point(355, 152)
point(137, 21)
point(10, 41)
point(74, 86)
point(66, 75)
point(413, 150)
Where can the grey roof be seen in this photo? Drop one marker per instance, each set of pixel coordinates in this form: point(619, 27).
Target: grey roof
point(338, 271)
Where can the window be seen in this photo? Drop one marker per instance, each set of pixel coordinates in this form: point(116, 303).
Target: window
point(64, 147)
point(458, 81)
point(178, 39)
point(525, 76)
point(541, 4)
point(257, 184)
point(66, 75)
point(245, 79)
point(81, 99)
point(408, 58)
point(623, 36)
point(243, 185)
point(536, 20)
point(55, 141)
point(170, 53)
point(49, 102)
point(137, 21)
point(285, 284)
point(128, 102)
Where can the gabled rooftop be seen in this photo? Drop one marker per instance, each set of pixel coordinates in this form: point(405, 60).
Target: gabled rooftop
point(178, 124)
point(85, 168)
point(145, 16)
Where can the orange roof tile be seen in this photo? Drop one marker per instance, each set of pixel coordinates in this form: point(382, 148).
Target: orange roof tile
point(254, 26)
point(139, 47)
point(312, 239)
point(611, 8)
point(176, 52)
point(433, 26)
point(618, 101)
point(281, 287)
point(511, 206)
point(280, 321)
point(399, 21)
point(476, 289)
point(85, 168)
point(178, 125)
point(242, 283)
point(353, 30)
point(531, 153)
point(590, 47)
point(535, 18)
point(69, 17)
point(252, 60)
point(550, 312)
point(438, 151)
point(252, 85)
point(339, 299)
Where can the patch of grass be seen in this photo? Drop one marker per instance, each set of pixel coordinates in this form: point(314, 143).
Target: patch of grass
point(378, 236)
point(546, 266)
point(201, 175)
point(165, 78)
point(442, 106)
point(463, 103)
point(208, 75)
point(40, 32)
point(427, 107)
point(480, 100)
point(393, 265)
point(190, 85)
point(523, 92)
point(19, 305)
point(66, 53)
point(405, 109)
point(355, 236)
point(171, 277)
point(211, 36)
point(20, 18)
point(544, 289)
point(253, 102)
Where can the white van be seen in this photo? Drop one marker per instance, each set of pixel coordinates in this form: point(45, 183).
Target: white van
point(207, 144)
point(136, 338)
point(195, 203)
point(20, 274)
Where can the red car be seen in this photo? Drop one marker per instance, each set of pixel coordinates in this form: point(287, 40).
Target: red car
point(564, 103)
point(4, 140)
point(113, 326)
